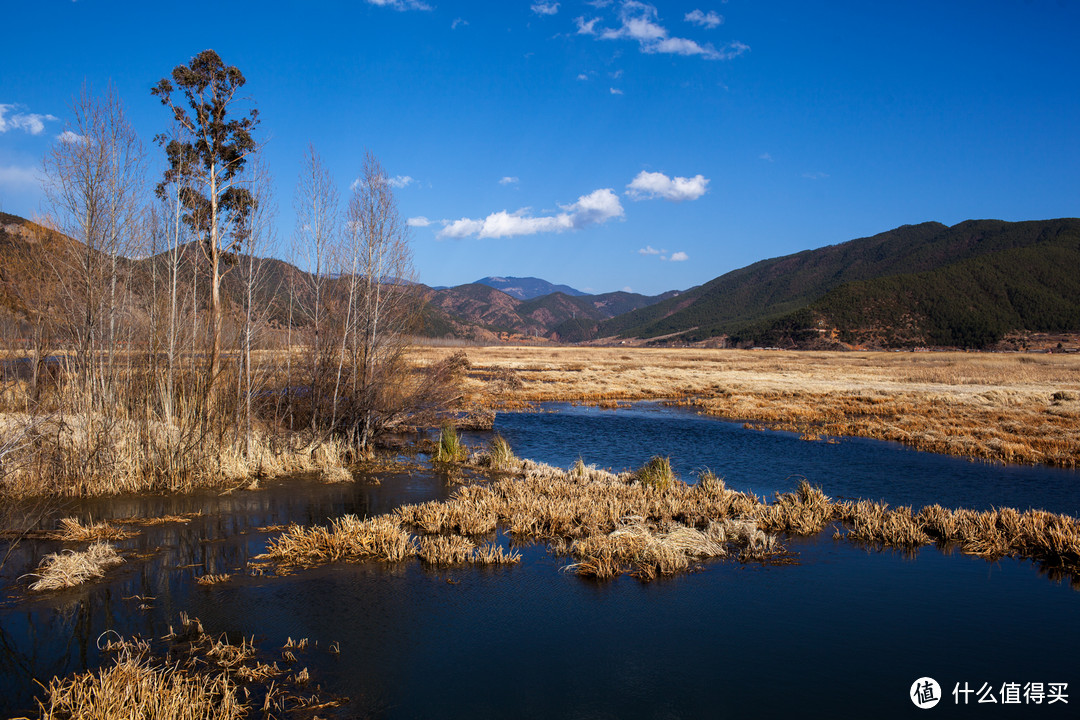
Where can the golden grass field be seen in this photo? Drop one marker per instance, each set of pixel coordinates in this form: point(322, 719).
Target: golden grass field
point(1014, 407)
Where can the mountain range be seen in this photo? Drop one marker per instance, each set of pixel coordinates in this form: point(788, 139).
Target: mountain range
point(968, 285)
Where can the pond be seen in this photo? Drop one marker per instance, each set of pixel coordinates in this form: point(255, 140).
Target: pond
point(842, 633)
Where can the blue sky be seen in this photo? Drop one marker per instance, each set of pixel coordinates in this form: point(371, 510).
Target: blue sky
point(650, 146)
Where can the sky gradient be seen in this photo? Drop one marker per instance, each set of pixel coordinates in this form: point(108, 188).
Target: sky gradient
point(608, 146)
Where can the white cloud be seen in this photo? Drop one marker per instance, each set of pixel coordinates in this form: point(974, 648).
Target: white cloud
point(649, 185)
point(639, 21)
point(13, 177)
point(71, 137)
point(545, 8)
point(595, 208)
point(419, 221)
point(615, 91)
point(627, 289)
point(815, 175)
point(586, 27)
point(650, 250)
point(766, 157)
point(508, 180)
point(708, 20)
point(458, 21)
point(32, 123)
point(678, 256)
point(401, 4)
point(582, 76)
point(400, 181)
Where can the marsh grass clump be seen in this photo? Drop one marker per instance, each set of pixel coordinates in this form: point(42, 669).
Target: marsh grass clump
point(446, 550)
point(196, 677)
point(502, 455)
point(614, 523)
point(71, 530)
point(347, 538)
point(449, 449)
point(578, 469)
point(656, 473)
point(493, 554)
point(647, 550)
point(803, 512)
point(213, 579)
point(70, 568)
point(136, 687)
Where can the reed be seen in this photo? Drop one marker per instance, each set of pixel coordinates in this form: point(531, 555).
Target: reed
point(197, 677)
point(71, 530)
point(656, 473)
point(450, 448)
point(803, 512)
point(134, 687)
point(446, 550)
point(347, 538)
point(70, 568)
point(212, 579)
point(502, 455)
point(492, 554)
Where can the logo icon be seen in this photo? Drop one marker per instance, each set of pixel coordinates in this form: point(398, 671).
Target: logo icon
point(925, 693)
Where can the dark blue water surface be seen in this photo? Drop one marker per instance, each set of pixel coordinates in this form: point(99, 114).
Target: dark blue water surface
point(841, 634)
point(767, 462)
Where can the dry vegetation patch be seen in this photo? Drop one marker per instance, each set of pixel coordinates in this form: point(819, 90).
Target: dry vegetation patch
point(614, 523)
point(199, 677)
point(70, 568)
point(1008, 407)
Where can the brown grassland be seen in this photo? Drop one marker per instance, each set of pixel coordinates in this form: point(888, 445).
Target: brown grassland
point(1009, 407)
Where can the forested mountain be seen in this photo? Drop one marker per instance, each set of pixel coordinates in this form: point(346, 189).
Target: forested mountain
point(929, 284)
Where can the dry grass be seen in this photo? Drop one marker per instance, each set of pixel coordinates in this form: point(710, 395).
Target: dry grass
point(199, 678)
point(70, 568)
point(92, 455)
point(134, 687)
point(656, 473)
point(347, 538)
point(650, 523)
point(71, 530)
point(212, 579)
point(609, 523)
point(500, 456)
point(1009, 407)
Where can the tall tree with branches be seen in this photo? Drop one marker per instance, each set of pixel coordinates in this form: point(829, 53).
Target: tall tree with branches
point(94, 185)
point(212, 157)
point(316, 237)
point(382, 303)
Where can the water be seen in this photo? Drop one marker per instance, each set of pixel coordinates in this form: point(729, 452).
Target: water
point(843, 633)
point(768, 462)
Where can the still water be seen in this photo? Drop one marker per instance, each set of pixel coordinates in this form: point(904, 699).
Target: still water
point(843, 633)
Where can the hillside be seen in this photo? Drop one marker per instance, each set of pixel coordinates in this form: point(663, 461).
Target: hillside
point(965, 285)
point(526, 288)
point(473, 307)
point(35, 262)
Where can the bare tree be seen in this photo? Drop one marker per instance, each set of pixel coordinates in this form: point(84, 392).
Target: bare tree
point(257, 234)
point(382, 301)
point(94, 184)
point(317, 233)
